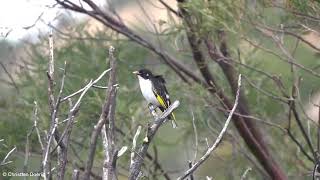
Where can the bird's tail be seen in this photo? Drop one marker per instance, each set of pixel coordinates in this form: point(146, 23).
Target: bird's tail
point(173, 120)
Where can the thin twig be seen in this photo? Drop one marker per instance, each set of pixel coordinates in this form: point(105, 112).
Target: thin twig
point(293, 138)
point(218, 140)
point(289, 58)
point(169, 8)
point(4, 161)
point(51, 59)
point(36, 126)
point(134, 144)
point(293, 109)
point(244, 175)
point(46, 171)
point(27, 151)
point(82, 89)
point(195, 136)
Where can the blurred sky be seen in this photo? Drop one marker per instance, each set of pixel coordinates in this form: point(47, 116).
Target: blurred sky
point(15, 15)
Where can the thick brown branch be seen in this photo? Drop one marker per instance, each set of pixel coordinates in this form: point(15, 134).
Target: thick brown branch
point(246, 127)
point(121, 28)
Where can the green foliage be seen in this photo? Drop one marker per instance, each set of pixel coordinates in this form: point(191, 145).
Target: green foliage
point(216, 15)
point(304, 6)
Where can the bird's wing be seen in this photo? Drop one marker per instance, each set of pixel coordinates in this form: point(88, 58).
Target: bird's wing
point(161, 93)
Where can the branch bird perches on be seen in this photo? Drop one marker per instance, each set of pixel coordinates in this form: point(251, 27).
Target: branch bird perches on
point(138, 158)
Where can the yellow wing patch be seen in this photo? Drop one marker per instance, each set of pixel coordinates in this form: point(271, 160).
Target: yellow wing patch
point(161, 101)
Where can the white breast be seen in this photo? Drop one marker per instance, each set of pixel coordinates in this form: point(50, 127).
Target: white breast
point(146, 89)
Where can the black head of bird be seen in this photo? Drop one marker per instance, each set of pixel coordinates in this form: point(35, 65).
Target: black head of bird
point(144, 73)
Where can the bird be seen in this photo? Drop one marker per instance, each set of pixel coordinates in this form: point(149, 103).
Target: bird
point(154, 90)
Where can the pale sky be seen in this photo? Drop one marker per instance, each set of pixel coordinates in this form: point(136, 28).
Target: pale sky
point(17, 14)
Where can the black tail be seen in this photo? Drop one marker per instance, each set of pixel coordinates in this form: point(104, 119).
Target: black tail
point(170, 117)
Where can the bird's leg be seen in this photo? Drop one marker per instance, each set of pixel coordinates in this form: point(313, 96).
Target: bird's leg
point(152, 109)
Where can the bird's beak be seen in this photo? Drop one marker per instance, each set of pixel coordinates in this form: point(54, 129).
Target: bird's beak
point(135, 72)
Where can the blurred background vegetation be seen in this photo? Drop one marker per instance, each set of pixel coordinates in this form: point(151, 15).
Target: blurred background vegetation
point(83, 45)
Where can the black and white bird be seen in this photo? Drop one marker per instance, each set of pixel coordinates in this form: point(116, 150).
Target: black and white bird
point(154, 91)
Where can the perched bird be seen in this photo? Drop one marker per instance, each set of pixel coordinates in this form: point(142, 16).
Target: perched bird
point(154, 91)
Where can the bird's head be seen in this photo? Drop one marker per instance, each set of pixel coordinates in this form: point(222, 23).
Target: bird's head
point(143, 73)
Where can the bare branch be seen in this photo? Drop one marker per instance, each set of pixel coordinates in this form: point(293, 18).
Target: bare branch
point(169, 8)
point(53, 111)
point(67, 131)
point(150, 157)
point(289, 58)
point(218, 140)
point(294, 35)
point(34, 127)
point(244, 175)
point(138, 159)
point(45, 162)
point(75, 107)
point(195, 136)
point(4, 161)
point(292, 108)
point(106, 114)
point(82, 89)
point(134, 144)
point(108, 133)
point(190, 166)
point(51, 60)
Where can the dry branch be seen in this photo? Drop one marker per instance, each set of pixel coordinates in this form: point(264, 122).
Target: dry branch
point(218, 140)
point(34, 127)
point(82, 89)
point(108, 132)
point(4, 161)
point(104, 120)
point(137, 160)
point(244, 175)
point(46, 163)
point(54, 104)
